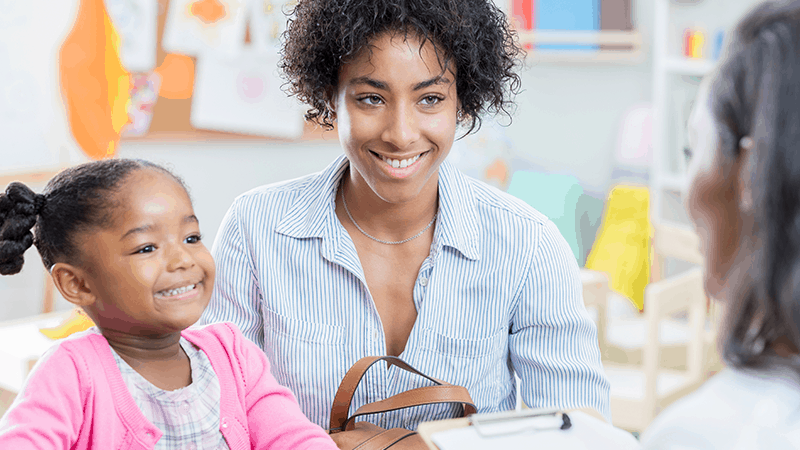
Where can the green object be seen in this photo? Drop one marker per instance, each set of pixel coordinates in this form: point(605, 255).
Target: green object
point(590, 209)
point(557, 197)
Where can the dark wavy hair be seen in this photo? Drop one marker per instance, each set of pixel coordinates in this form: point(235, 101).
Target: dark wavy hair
point(474, 34)
point(78, 199)
point(756, 93)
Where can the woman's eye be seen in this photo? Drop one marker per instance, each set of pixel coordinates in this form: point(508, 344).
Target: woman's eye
point(371, 100)
point(147, 249)
point(431, 100)
point(194, 239)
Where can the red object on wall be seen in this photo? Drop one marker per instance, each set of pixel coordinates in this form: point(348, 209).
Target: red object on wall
point(523, 14)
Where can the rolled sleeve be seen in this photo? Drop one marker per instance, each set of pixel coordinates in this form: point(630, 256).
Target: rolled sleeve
point(553, 341)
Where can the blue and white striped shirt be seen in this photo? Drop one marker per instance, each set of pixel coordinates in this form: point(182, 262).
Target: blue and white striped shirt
point(500, 292)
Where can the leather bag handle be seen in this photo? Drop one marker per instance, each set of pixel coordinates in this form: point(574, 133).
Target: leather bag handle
point(426, 395)
point(351, 380)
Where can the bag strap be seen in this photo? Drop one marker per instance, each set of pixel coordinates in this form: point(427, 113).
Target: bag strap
point(426, 395)
point(351, 380)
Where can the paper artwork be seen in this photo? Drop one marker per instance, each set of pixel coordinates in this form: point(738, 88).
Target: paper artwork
point(194, 27)
point(136, 22)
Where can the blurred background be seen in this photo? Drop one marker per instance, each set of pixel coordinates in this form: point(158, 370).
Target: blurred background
point(595, 143)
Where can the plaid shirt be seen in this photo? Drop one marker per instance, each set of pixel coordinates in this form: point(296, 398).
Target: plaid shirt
point(188, 417)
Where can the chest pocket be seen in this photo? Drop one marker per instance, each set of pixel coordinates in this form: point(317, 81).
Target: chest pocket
point(469, 362)
point(305, 357)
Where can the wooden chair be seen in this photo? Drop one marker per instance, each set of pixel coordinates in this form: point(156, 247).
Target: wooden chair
point(667, 352)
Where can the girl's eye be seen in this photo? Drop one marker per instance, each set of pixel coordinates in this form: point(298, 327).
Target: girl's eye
point(431, 100)
point(147, 249)
point(371, 100)
point(194, 239)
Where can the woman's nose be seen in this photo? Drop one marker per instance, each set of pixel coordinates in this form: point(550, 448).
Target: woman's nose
point(402, 127)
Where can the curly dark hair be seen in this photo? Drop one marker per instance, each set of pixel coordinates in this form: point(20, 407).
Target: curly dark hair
point(77, 199)
point(475, 34)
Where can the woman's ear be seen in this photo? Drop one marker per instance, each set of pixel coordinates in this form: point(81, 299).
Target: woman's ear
point(71, 283)
point(746, 170)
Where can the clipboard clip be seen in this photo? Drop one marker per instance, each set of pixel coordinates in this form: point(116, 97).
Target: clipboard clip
point(502, 423)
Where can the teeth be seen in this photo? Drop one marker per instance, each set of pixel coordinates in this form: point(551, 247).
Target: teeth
point(174, 292)
point(400, 164)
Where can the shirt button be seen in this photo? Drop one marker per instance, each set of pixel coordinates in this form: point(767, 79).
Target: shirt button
point(224, 423)
point(376, 335)
point(423, 282)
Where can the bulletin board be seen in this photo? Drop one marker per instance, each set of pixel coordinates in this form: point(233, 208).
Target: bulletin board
point(171, 117)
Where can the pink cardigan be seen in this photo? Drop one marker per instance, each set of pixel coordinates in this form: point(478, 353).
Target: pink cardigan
point(75, 398)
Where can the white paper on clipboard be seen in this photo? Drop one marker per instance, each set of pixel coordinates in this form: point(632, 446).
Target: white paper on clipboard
point(538, 433)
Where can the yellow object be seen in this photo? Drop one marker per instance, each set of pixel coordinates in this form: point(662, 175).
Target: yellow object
point(698, 40)
point(622, 249)
point(76, 321)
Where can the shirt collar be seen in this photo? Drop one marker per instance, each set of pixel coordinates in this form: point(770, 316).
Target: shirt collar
point(312, 215)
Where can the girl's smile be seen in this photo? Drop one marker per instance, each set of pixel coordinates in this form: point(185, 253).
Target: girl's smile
point(150, 272)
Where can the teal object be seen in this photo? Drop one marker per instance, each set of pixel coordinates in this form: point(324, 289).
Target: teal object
point(556, 196)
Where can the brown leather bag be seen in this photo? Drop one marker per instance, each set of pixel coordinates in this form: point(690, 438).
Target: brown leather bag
point(350, 435)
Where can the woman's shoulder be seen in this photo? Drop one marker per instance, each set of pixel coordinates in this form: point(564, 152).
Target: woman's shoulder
point(734, 409)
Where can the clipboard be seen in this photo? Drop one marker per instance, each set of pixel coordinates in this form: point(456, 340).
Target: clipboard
point(529, 428)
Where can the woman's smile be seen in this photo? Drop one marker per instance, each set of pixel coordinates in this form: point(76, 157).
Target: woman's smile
point(401, 167)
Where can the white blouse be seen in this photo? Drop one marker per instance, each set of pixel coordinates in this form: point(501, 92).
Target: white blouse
point(736, 409)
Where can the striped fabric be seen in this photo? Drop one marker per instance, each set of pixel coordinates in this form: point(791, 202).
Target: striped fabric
point(188, 417)
point(499, 293)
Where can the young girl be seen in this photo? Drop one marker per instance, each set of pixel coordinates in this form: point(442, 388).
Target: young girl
point(744, 200)
point(121, 241)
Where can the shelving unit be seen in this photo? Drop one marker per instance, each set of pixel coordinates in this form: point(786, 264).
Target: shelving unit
point(673, 76)
point(633, 54)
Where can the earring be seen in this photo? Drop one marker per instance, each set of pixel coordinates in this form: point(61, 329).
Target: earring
point(747, 143)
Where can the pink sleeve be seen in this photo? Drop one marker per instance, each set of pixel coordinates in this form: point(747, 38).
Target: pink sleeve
point(274, 416)
point(48, 412)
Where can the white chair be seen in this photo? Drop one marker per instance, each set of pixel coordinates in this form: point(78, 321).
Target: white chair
point(652, 359)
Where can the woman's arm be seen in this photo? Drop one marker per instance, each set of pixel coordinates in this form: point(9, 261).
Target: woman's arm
point(236, 297)
point(553, 342)
point(48, 412)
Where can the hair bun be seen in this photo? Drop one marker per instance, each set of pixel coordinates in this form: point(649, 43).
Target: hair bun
point(19, 207)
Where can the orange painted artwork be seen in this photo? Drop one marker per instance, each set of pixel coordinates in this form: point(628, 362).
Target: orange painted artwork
point(208, 11)
point(95, 86)
point(498, 171)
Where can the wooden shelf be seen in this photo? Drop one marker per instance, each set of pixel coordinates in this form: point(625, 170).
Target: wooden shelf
point(615, 46)
point(686, 66)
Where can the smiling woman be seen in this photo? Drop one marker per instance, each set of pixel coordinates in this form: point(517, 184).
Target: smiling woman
point(391, 250)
